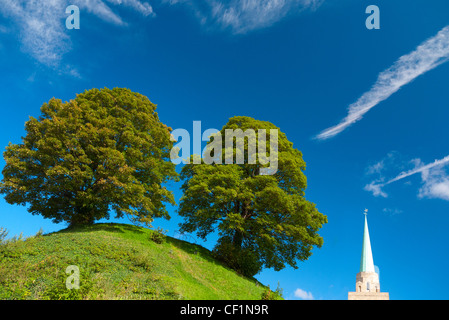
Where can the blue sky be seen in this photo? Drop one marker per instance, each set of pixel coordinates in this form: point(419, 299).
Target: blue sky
point(368, 109)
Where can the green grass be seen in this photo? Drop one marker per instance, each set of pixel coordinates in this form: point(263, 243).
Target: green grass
point(117, 261)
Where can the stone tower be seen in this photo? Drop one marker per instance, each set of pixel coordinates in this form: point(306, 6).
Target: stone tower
point(367, 286)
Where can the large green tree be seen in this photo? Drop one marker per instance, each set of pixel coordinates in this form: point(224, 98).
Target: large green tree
point(104, 151)
point(263, 220)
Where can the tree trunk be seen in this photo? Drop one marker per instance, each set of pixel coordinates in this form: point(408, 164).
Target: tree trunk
point(237, 240)
point(81, 217)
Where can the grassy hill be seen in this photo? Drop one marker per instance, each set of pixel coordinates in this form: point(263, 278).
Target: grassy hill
point(117, 261)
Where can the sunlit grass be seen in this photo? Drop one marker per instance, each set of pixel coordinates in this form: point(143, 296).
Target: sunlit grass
point(117, 261)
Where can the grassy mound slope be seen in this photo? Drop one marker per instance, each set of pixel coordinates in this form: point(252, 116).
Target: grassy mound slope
point(117, 261)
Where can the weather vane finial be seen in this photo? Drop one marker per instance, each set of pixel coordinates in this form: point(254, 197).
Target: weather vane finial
point(365, 212)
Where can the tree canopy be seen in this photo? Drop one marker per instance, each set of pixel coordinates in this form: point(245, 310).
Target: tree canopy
point(106, 150)
point(262, 220)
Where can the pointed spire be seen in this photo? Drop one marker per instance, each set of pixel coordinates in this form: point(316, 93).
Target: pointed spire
point(366, 263)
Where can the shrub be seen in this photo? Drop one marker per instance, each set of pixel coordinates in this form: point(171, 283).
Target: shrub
point(3, 234)
point(268, 294)
point(158, 236)
point(39, 233)
point(58, 290)
point(242, 260)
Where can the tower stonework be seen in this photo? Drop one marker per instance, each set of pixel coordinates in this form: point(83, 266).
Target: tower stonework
point(367, 286)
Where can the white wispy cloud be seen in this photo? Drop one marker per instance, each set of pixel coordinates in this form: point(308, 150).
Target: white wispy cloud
point(427, 56)
point(41, 24)
point(379, 166)
point(243, 16)
point(42, 33)
point(376, 189)
point(392, 212)
point(376, 168)
point(142, 7)
point(435, 180)
point(435, 184)
point(302, 294)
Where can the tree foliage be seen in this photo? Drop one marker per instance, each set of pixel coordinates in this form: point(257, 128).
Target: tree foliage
point(106, 150)
point(262, 220)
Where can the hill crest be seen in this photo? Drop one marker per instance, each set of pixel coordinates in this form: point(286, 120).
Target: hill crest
point(118, 261)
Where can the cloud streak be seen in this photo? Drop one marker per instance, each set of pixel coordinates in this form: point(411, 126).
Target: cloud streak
point(436, 183)
point(427, 56)
point(420, 169)
point(244, 16)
